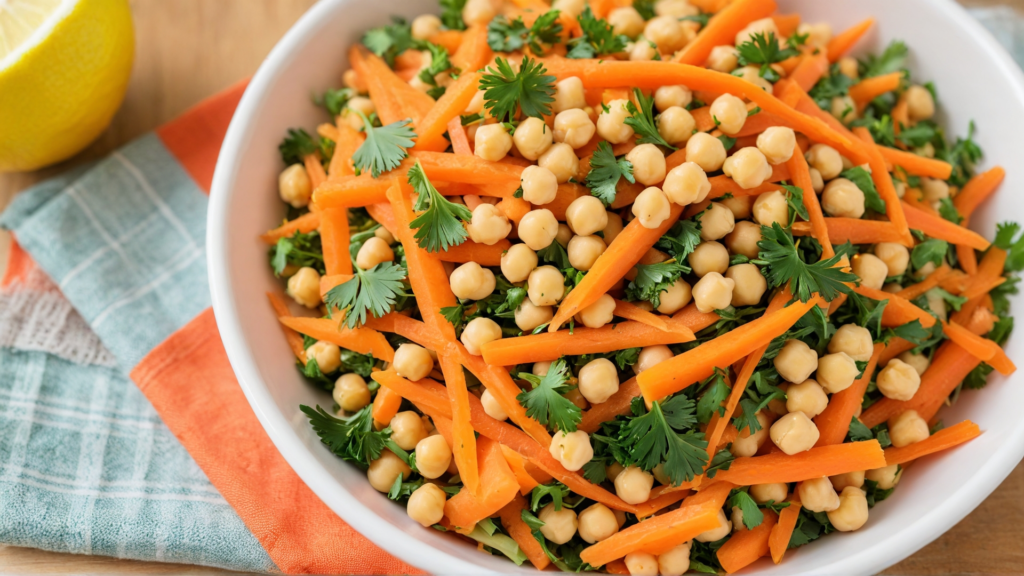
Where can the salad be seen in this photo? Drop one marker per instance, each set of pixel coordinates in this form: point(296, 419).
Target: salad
point(636, 286)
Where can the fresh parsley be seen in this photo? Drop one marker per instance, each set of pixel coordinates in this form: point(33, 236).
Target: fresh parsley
point(893, 59)
point(334, 100)
point(783, 263)
point(298, 250)
point(451, 14)
point(641, 120)
point(681, 239)
point(795, 200)
point(439, 63)
point(440, 223)
point(530, 90)
point(546, 403)
point(384, 148)
point(374, 291)
point(764, 49)
point(391, 40)
point(715, 391)
point(932, 250)
point(652, 279)
point(605, 172)
point(598, 37)
point(504, 35)
point(860, 177)
point(664, 434)
point(297, 146)
point(752, 515)
point(352, 438)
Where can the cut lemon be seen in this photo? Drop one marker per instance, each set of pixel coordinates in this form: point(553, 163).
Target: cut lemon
point(64, 68)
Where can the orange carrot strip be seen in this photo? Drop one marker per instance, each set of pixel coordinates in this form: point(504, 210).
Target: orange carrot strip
point(414, 103)
point(451, 105)
point(931, 281)
point(617, 405)
point(386, 104)
point(294, 339)
point(498, 487)
point(659, 500)
point(474, 52)
point(810, 69)
point(512, 520)
point(362, 340)
point(722, 185)
point(305, 224)
point(747, 546)
point(457, 133)
point(801, 175)
point(899, 310)
point(841, 43)
point(385, 406)
point(782, 533)
point(941, 440)
point(896, 347)
point(786, 23)
point(834, 422)
point(938, 227)
point(449, 39)
point(856, 231)
point(723, 28)
point(514, 208)
point(883, 182)
point(917, 165)
point(814, 463)
point(470, 251)
point(630, 311)
point(314, 169)
point(517, 463)
point(967, 257)
point(334, 234)
point(982, 348)
point(697, 364)
point(463, 436)
point(349, 140)
point(622, 254)
point(900, 115)
point(977, 190)
point(384, 216)
point(868, 89)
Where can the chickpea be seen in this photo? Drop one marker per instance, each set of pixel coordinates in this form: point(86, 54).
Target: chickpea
point(777, 144)
point(479, 331)
point(750, 284)
point(919, 362)
point(676, 125)
point(540, 186)
point(709, 257)
point(478, 12)
point(818, 495)
point(304, 287)
point(777, 406)
point(413, 362)
point(626, 21)
point(651, 356)
point(643, 50)
point(920, 104)
point(598, 380)
point(705, 151)
point(571, 7)
point(546, 286)
point(613, 228)
point(842, 198)
point(747, 444)
point(357, 104)
point(538, 228)
point(687, 183)
point(934, 189)
point(737, 519)
point(886, 477)
point(896, 257)
point(351, 392)
point(794, 433)
point(898, 380)
point(574, 127)
point(852, 512)
point(771, 207)
point(612, 471)
point(660, 476)
point(634, 485)
point(818, 35)
point(936, 303)
point(836, 372)
point(491, 406)
point(723, 59)
point(744, 238)
point(492, 142)
point(611, 124)
point(907, 428)
point(559, 525)
point(854, 340)
point(826, 160)
point(716, 222)
point(765, 493)
point(747, 167)
point(584, 251)
point(374, 251)
point(561, 160)
point(675, 297)
point(532, 138)
point(841, 481)
point(599, 313)
point(471, 281)
point(433, 455)
point(666, 32)
point(540, 368)
point(651, 207)
point(476, 105)
point(648, 164)
point(573, 450)
point(518, 262)
point(407, 430)
point(569, 94)
point(729, 113)
point(425, 26)
point(564, 235)
point(597, 523)
point(326, 354)
point(843, 108)
point(384, 235)
point(716, 534)
point(713, 292)
point(752, 74)
point(677, 8)
point(870, 269)
point(426, 504)
point(351, 79)
point(295, 186)
point(807, 397)
point(676, 561)
point(383, 471)
point(796, 361)
point(641, 564)
point(488, 225)
point(762, 26)
point(677, 96)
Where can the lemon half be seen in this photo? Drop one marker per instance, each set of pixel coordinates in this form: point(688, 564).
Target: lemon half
point(64, 68)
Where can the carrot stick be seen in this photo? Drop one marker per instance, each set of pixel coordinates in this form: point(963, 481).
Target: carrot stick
point(305, 224)
point(498, 486)
point(899, 310)
point(622, 254)
point(810, 69)
point(413, 103)
point(470, 251)
point(660, 499)
point(473, 53)
point(349, 140)
point(977, 190)
point(896, 347)
point(633, 312)
point(834, 422)
point(917, 165)
point(900, 115)
point(294, 339)
point(385, 406)
point(868, 89)
point(938, 227)
point(451, 105)
point(334, 235)
point(517, 464)
point(362, 340)
point(782, 533)
point(722, 185)
point(814, 463)
point(786, 23)
point(617, 405)
point(856, 231)
point(801, 175)
point(512, 520)
point(723, 28)
point(514, 208)
point(464, 439)
point(982, 348)
point(883, 182)
point(697, 364)
point(967, 257)
point(931, 281)
point(747, 546)
point(841, 43)
point(457, 134)
point(941, 440)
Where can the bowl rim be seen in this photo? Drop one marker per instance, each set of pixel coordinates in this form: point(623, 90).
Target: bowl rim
point(406, 547)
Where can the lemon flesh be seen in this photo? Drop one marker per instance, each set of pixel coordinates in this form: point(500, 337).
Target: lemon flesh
point(64, 69)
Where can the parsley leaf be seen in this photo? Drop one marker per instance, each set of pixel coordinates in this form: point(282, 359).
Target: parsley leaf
point(918, 135)
point(439, 226)
point(508, 36)
point(384, 147)
point(795, 200)
point(296, 146)
point(764, 50)
point(655, 437)
point(963, 155)
point(439, 63)
point(862, 179)
point(833, 85)
point(892, 59)
point(556, 255)
point(752, 515)
point(858, 431)
point(652, 279)
point(352, 438)
point(782, 263)
point(529, 90)
point(716, 391)
point(391, 40)
point(334, 100)
point(299, 250)
point(605, 171)
point(641, 120)
point(645, 8)
point(373, 290)
point(681, 239)
point(556, 490)
point(931, 250)
point(451, 14)
point(949, 212)
point(598, 38)
point(545, 402)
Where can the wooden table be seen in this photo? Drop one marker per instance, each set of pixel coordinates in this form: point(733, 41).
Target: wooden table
point(189, 49)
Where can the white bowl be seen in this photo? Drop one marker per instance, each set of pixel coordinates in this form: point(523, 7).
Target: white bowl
point(976, 80)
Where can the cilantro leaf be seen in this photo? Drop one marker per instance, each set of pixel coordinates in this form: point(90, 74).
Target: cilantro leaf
point(439, 63)
point(860, 177)
point(722, 461)
point(440, 225)
point(795, 200)
point(949, 212)
point(931, 250)
point(869, 313)
point(917, 135)
point(598, 38)
point(963, 155)
point(373, 290)
point(655, 438)
point(352, 438)
point(716, 391)
point(782, 263)
point(652, 279)
point(892, 59)
point(451, 14)
point(545, 402)
point(834, 84)
point(556, 490)
point(605, 171)
point(858, 431)
point(681, 239)
point(334, 100)
point(508, 36)
point(555, 254)
point(299, 250)
point(752, 515)
point(645, 8)
point(642, 120)
point(391, 40)
point(296, 146)
point(529, 90)
point(384, 147)
point(764, 50)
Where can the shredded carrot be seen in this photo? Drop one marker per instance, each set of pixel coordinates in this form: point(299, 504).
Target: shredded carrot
point(814, 463)
point(786, 24)
point(746, 546)
point(868, 89)
point(900, 115)
point(801, 175)
point(723, 28)
point(834, 421)
point(517, 464)
point(883, 182)
point(782, 533)
point(362, 340)
point(385, 406)
point(841, 43)
point(659, 500)
point(899, 310)
point(854, 230)
point(917, 165)
point(451, 105)
point(512, 521)
point(810, 69)
point(305, 224)
point(294, 339)
point(449, 39)
point(464, 449)
point(982, 348)
point(474, 53)
point(942, 440)
point(498, 485)
point(977, 190)
point(457, 134)
point(931, 281)
point(967, 257)
point(938, 227)
point(469, 251)
point(630, 311)
point(334, 236)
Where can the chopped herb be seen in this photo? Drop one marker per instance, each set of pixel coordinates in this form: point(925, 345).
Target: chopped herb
point(598, 38)
point(948, 211)
point(642, 120)
point(795, 200)
point(893, 59)
point(384, 148)
point(299, 250)
point(391, 40)
point(451, 14)
point(663, 435)
point(545, 401)
point(932, 250)
point(783, 263)
point(862, 180)
point(334, 100)
point(715, 392)
point(352, 438)
point(529, 90)
point(374, 291)
point(504, 35)
point(764, 50)
point(438, 63)
point(440, 224)
point(752, 515)
point(605, 171)
point(297, 146)
point(652, 279)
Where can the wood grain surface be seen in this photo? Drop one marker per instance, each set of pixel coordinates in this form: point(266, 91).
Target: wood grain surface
point(190, 49)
